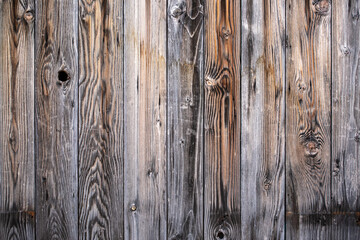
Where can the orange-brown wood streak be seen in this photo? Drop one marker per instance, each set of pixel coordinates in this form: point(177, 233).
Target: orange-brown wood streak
point(222, 119)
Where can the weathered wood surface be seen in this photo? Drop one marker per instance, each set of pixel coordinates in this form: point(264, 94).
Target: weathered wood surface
point(185, 119)
point(263, 119)
point(56, 119)
point(17, 181)
point(145, 119)
point(222, 120)
point(346, 119)
point(100, 119)
point(308, 117)
point(179, 119)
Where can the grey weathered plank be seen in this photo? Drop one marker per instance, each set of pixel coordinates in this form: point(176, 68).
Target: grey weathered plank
point(17, 225)
point(308, 115)
point(263, 119)
point(56, 119)
point(185, 119)
point(17, 181)
point(345, 225)
point(145, 119)
point(345, 118)
point(222, 120)
point(308, 226)
point(100, 119)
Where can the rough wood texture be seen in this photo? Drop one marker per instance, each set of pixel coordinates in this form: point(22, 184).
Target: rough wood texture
point(185, 118)
point(345, 225)
point(17, 225)
point(56, 119)
point(100, 119)
point(179, 119)
point(346, 118)
point(308, 119)
point(222, 120)
point(308, 226)
point(145, 119)
point(17, 180)
point(263, 118)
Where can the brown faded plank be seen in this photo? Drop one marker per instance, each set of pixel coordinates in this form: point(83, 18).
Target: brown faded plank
point(145, 119)
point(222, 120)
point(263, 119)
point(185, 118)
point(17, 181)
point(100, 119)
point(308, 114)
point(56, 119)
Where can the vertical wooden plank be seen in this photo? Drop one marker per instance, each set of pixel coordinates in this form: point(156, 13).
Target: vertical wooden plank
point(308, 120)
point(100, 119)
point(222, 120)
point(56, 119)
point(345, 225)
point(185, 119)
point(263, 119)
point(346, 118)
point(145, 119)
point(17, 225)
point(308, 226)
point(17, 181)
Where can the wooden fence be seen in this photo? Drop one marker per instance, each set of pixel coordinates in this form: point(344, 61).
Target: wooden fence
point(179, 119)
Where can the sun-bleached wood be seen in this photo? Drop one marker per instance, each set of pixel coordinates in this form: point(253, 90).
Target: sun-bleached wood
point(185, 119)
point(346, 119)
point(145, 121)
point(263, 119)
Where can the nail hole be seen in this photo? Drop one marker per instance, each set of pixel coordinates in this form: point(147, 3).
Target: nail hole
point(63, 76)
point(220, 235)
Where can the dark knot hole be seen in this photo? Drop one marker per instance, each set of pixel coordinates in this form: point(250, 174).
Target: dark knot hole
point(220, 235)
point(63, 76)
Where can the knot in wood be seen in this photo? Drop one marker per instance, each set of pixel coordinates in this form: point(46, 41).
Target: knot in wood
point(321, 7)
point(177, 10)
point(311, 149)
point(220, 235)
point(63, 76)
point(225, 33)
point(357, 137)
point(210, 82)
point(29, 16)
point(345, 50)
point(301, 87)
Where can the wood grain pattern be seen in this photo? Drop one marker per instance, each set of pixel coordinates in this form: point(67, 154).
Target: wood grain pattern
point(222, 120)
point(17, 225)
point(145, 120)
point(56, 119)
point(309, 226)
point(17, 181)
point(263, 119)
point(346, 119)
point(185, 118)
point(308, 120)
point(345, 225)
point(100, 119)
